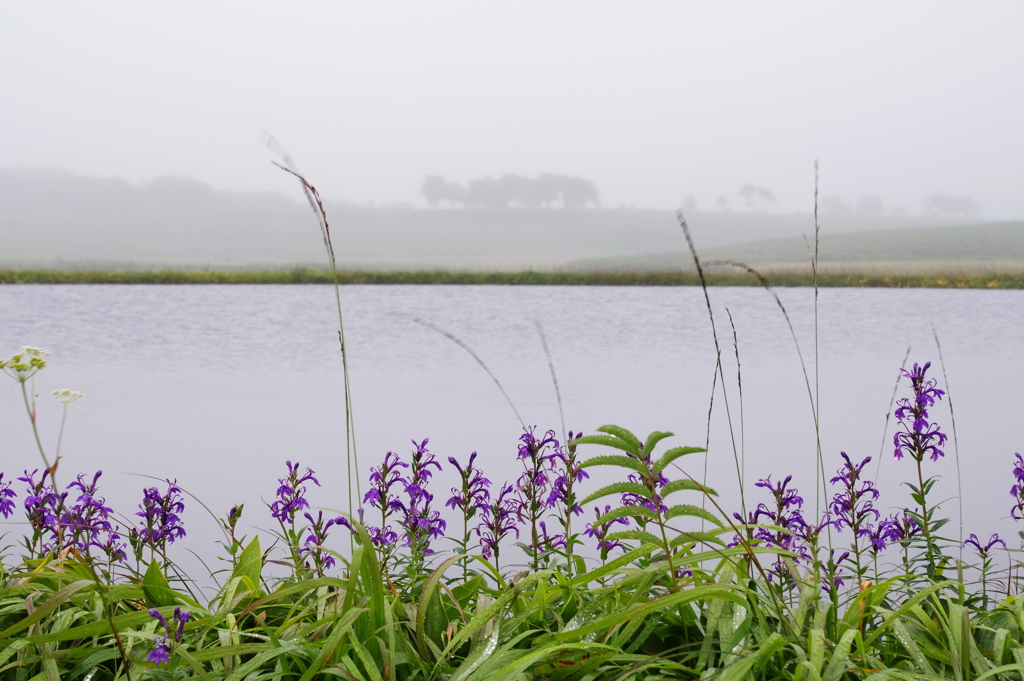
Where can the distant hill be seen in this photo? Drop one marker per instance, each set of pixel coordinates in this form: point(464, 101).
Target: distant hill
point(55, 218)
point(994, 242)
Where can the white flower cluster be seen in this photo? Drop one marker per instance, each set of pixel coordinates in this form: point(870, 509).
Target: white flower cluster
point(67, 395)
point(24, 364)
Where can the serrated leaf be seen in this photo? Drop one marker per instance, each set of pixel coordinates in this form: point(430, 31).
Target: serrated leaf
point(625, 512)
point(681, 485)
point(618, 488)
point(691, 510)
point(673, 454)
point(250, 564)
point(616, 460)
point(154, 585)
point(608, 441)
point(637, 535)
point(652, 441)
point(623, 434)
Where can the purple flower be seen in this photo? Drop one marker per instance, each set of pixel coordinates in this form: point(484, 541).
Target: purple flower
point(1017, 491)
point(160, 653)
point(160, 524)
point(291, 493)
point(313, 546)
point(853, 504)
point(983, 550)
point(43, 508)
point(474, 492)
point(421, 523)
point(89, 521)
point(570, 475)
point(884, 533)
point(833, 575)
point(6, 497)
point(498, 518)
point(601, 531)
point(919, 437)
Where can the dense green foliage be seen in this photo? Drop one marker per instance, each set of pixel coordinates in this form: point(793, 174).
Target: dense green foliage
point(524, 278)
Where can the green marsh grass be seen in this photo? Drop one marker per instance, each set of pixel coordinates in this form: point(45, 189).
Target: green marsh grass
point(679, 587)
point(782, 278)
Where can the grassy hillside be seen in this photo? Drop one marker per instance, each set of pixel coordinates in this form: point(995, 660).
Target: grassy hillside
point(997, 246)
point(56, 219)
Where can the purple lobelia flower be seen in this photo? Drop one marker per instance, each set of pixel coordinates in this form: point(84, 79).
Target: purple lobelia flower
point(986, 562)
point(793, 531)
point(533, 488)
point(473, 493)
point(88, 522)
point(291, 493)
point(313, 547)
point(161, 524)
point(1017, 491)
point(469, 499)
point(853, 505)
point(984, 550)
point(422, 523)
point(569, 474)
point(601, 531)
point(43, 508)
point(498, 519)
point(918, 436)
point(7, 497)
point(386, 483)
point(883, 533)
point(162, 649)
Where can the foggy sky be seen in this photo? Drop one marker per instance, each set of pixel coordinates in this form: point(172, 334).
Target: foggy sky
point(652, 101)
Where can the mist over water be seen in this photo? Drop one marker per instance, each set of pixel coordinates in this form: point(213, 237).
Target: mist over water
point(218, 385)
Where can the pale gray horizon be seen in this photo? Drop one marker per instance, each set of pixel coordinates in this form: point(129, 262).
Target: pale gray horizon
point(652, 102)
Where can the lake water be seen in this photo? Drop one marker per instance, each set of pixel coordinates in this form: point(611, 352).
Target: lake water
point(218, 385)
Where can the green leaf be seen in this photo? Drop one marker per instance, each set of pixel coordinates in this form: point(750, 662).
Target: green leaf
point(652, 441)
point(608, 441)
point(673, 454)
point(250, 565)
point(680, 485)
point(622, 434)
point(626, 512)
point(691, 510)
point(637, 535)
point(154, 585)
point(430, 622)
point(618, 488)
point(616, 460)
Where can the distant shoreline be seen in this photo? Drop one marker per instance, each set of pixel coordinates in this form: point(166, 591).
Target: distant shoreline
point(522, 278)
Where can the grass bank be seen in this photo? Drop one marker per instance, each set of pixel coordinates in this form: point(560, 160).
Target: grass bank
point(523, 278)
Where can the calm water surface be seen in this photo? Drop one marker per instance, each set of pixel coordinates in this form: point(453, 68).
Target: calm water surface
point(218, 385)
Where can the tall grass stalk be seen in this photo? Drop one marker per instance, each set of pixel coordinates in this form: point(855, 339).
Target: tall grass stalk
point(317, 205)
point(720, 373)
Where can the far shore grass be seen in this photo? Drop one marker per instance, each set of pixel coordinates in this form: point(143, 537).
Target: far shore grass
point(520, 278)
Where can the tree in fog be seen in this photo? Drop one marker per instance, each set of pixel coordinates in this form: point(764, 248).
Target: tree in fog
point(756, 198)
point(870, 206)
point(510, 190)
point(834, 205)
point(940, 205)
point(435, 189)
point(722, 203)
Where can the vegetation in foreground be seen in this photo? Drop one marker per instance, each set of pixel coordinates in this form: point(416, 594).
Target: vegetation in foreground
point(541, 577)
point(524, 278)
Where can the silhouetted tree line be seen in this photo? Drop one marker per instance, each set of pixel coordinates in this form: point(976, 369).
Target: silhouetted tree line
point(544, 191)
